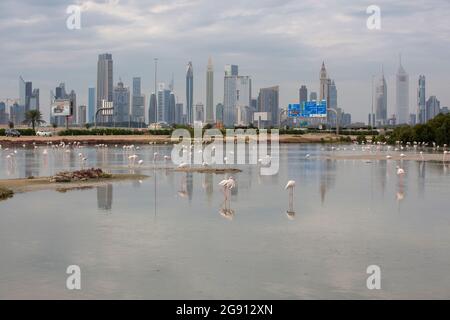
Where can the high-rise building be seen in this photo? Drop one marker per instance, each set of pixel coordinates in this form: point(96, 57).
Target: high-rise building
point(210, 92)
point(121, 103)
point(219, 113)
point(433, 107)
point(179, 113)
point(402, 88)
point(91, 105)
point(137, 102)
point(26, 94)
point(381, 102)
point(237, 97)
point(323, 83)
point(82, 115)
point(412, 119)
point(73, 103)
point(332, 103)
point(152, 109)
point(421, 101)
point(4, 116)
point(34, 100)
point(268, 101)
point(164, 104)
point(172, 109)
point(190, 93)
point(303, 95)
point(105, 81)
point(199, 113)
point(313, 96)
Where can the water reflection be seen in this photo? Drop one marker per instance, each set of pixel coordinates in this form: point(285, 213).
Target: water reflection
point(105, 197)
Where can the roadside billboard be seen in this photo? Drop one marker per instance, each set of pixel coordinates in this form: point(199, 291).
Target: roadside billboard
point(61, 107)
point(309, 109)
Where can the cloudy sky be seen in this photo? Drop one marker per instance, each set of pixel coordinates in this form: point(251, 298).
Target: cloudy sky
point(277, 42)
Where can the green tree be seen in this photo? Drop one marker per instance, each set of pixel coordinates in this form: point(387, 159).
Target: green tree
point(33, 117)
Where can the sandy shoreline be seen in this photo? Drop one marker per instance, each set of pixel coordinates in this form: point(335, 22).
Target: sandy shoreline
point(145, 139)
point(44, 183)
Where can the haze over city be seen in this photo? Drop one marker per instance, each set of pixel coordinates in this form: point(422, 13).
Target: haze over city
point(275, 42)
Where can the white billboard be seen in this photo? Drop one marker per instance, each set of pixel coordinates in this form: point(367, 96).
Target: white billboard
point(61, 107)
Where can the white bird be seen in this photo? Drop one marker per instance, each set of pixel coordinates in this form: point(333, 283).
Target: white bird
point(402, 155)
point(388, 157)
point(290, 184)
point(400, 171)
point(140, 162)
point(307, 156)
point(183, 165)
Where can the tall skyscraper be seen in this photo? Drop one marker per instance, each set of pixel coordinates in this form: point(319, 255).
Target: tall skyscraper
point(323, 83)
point(179, 113)
point(210, 92)
point(402, 87)
point(268, 101)
point(433, 108)
point(82, 115)
point(237, 97)
point(199, 113)
point(164, 104)
point(152, 108)
point(303, 95)
point(73, 102)
point(421, 101)
point(121, 99)
point(91, 104)
point(190, 93)
point(4, 116)
point(313, 96)
point(332, 102)
point(104, 81)
point(219, 113)
point(381, 101)
point(34, 100)
point(25, 93)
point(137, 102)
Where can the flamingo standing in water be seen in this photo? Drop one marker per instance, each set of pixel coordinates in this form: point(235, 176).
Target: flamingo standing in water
point(290, 186)
point(227, 185)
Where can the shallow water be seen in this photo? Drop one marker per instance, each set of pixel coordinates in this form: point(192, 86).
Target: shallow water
point(132, 240)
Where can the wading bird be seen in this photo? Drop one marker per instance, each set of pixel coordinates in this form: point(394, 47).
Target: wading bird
point(290, 186)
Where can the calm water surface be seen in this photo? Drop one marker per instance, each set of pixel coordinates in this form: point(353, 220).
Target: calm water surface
point(133, 240)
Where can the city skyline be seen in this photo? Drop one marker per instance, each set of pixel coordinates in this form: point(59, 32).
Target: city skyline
point(290, 61)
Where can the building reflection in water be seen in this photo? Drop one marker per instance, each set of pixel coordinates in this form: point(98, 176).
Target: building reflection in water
point(207, 186)
point(30, 163)
point(190, 185)
point(105, 197)
point(421, 179)
point(327, 177)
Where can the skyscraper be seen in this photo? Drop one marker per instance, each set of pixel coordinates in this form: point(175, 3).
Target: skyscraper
point(229, 99)
point(199, 112)
point(190, 93)
point(210, 92)
point(137, 102)
point(104, 80)
point(237, 97)
point(179, 113)
point(433, 108)
point(164, 104)
point(219, 113)
point(402, 87)
point(152, 109)
point(268, 101)
point(421, 100)
point(303, 95)
point(381, 101)
point(91, 104)
point(121, 99)
point(323, 83)
point(82, 115)
point(313, 96)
